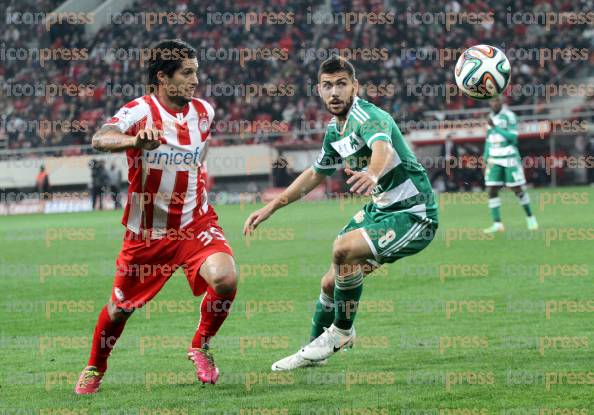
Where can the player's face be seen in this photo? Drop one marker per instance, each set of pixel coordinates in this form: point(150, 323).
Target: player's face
point(181, 86)
point(337, 91)
point(496, 104)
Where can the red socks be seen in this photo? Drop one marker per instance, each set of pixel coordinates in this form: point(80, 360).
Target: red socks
point(106, 334)
point(214, 309)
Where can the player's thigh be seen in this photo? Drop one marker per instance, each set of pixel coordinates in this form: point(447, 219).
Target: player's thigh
point(207, 259)
point(494, 175)
point(363, 250)
point(514, 176)
point(351, 248)
point(142, 268)
point(398, 235)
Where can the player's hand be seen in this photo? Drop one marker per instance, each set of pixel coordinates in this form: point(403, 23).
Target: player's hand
point(485, 164)
point(256, 218)
point(148, 139)
point(362, 182)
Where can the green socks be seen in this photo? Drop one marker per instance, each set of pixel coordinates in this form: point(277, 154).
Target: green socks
point(323, 315)
point(342, 309)
point(524, 199)
point(347, 292)
point(495, 206)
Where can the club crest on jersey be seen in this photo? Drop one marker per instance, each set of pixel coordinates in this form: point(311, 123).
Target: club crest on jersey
point(348, 145)
point(203, 125)
point(354, 142)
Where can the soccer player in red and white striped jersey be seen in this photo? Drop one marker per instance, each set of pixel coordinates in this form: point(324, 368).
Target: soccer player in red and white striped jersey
point(169, 223)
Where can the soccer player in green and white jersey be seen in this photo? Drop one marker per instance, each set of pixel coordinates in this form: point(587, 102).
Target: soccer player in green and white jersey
point(399, 221)
point(504, 165)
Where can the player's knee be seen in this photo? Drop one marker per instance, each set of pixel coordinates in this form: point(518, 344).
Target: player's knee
point(224, 282)
point(341, 252)
point(117, 315)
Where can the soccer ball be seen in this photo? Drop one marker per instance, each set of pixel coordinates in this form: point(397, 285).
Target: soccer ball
point(482, 72)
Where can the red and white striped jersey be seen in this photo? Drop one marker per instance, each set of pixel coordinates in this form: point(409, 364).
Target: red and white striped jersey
point(165, 187)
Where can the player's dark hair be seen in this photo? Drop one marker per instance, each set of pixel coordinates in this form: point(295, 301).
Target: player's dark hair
point(167, 56)
point(335, 64)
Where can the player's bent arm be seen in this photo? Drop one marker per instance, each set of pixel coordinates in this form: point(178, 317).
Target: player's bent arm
point(511, 135)
point(382, 157)
point(109, 138)
point(302, 185)
point(112, 141)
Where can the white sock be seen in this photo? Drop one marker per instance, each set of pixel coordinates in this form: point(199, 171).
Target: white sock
point(343, 331)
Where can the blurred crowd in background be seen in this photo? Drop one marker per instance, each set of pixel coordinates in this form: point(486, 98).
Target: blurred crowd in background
point(402, 57)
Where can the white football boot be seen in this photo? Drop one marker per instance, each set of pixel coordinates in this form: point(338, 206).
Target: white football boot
point(295, 361)
point(532, 223)
point(496, 227)
point(328, 343)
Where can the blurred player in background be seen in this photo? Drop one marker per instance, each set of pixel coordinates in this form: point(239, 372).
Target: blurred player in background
point(399, 221)
point(503, 164)
point(168, 219)
point(42, 185)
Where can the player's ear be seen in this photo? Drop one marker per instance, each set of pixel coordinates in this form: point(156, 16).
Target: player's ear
point(356, 86)
point(162, 77)
point(318, 87)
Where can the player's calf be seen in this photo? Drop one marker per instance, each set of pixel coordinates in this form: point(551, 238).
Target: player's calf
point(327, 283)
point(110, 325)
point(495, 209)
point(218, 271)
point(524, 200)
point(214, 309)
point(349, 253)
point(324, 309)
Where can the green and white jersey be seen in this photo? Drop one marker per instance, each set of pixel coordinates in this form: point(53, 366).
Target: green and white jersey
point(501, 144)
point(404, 185)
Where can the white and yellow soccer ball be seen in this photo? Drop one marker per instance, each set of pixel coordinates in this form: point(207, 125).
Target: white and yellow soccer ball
point(482, 72)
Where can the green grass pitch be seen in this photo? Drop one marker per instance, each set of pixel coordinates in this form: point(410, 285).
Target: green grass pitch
point(472, 325)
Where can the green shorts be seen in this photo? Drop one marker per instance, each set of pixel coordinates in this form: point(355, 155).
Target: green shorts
point(496, 175)
point(391, 235)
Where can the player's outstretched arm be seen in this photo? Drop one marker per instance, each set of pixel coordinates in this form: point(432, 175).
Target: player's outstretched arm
point(111, 139)
point(301, 186)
